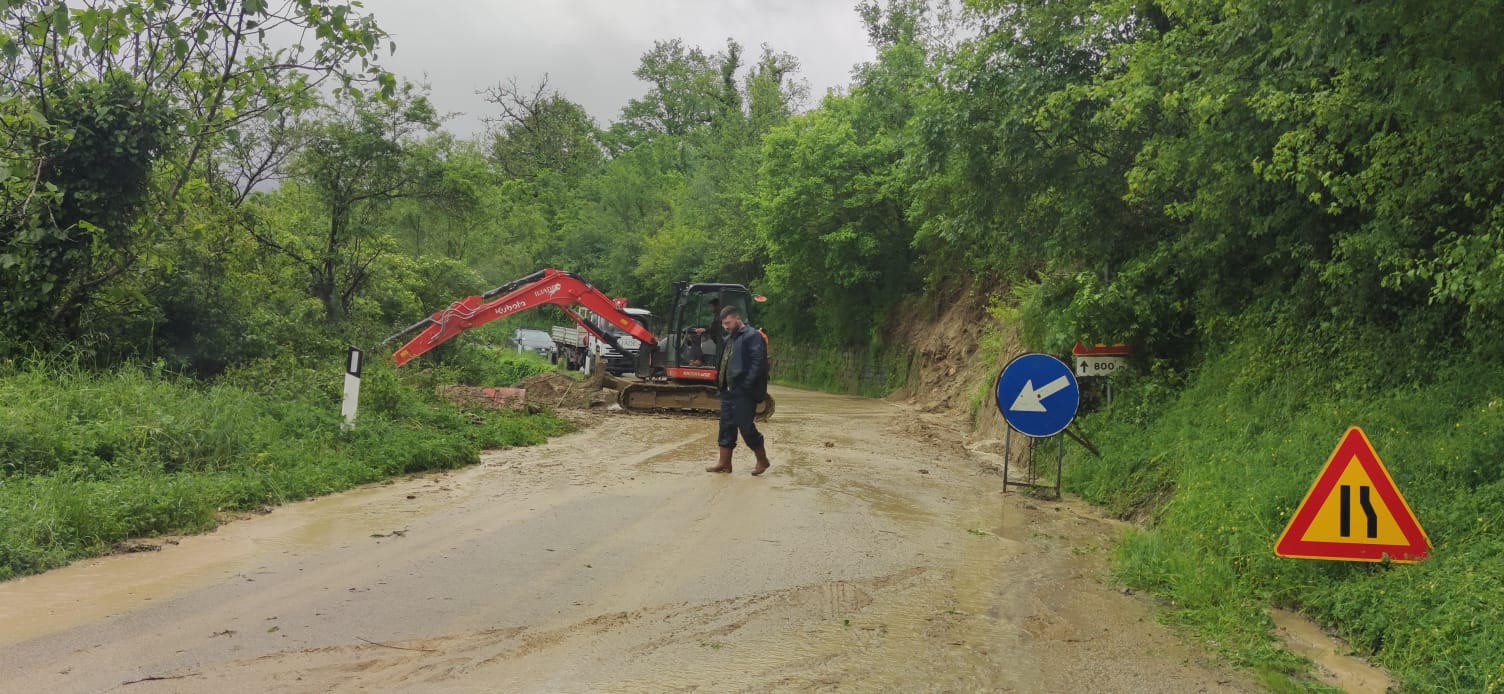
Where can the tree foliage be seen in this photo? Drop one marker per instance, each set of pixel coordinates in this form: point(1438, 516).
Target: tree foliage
point(540, 132)
point(354, 164)
point(109, 112)
point(71, 220)
point(1162, 167)
point(1154, 168)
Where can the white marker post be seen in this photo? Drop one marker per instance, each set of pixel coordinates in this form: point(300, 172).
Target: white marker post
point(352, 389)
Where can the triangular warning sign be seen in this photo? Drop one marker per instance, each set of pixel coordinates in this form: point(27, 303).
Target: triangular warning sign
point(1354, 512)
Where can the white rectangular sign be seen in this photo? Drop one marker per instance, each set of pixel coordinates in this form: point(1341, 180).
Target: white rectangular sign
point(1099, 366)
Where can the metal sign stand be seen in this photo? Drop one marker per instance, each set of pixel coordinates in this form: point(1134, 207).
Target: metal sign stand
point(1031, 469)
point(1038, 396)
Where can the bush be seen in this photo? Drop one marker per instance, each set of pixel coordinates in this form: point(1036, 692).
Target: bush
point(873, 372)
point(480, 365)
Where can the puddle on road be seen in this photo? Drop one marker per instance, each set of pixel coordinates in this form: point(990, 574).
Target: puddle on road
point(1333, 666)
point(93, 589)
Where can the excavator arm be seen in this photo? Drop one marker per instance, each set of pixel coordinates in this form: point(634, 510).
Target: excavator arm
point(547, 286)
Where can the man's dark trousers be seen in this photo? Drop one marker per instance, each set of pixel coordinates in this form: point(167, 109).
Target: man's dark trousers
point(737, 411)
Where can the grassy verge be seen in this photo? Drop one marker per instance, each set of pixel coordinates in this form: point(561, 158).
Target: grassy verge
point(1218, 466)
point(88, 460)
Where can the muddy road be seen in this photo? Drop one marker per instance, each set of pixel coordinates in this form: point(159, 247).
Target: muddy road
point(876, 555)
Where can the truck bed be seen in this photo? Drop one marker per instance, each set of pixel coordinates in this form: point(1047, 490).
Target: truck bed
point(570, 336)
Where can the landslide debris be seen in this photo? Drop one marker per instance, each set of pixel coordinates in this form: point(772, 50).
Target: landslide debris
point(558, 390)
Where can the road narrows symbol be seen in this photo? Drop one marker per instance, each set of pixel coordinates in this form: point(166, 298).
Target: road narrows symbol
point(1373, 518)
point(1346, 511)
point(1325, 525)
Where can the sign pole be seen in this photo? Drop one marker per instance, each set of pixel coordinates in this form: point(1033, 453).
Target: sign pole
point(352, 388)
point(1007, 453)
point(1059, 465)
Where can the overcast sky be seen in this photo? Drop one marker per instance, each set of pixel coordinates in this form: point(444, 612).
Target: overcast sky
point(589, 48)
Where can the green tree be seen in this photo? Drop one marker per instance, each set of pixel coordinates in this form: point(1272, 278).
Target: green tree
point(671, 205)
point(833, 196)
point(70, 222)
point(689, 90)
point(538, 130)
point(627, 202)
point(710, 235)
point(831, 205)
point(448, 219)
point(545, 149)
point(367, 154)
point(151, 92)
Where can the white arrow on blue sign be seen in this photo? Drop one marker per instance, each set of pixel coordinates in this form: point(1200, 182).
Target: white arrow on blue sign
point(1038, 395)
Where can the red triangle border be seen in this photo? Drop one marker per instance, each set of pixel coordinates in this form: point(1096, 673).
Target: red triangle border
point(1354, 444)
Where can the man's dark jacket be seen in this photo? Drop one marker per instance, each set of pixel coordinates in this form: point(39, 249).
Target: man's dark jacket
point(745, 370)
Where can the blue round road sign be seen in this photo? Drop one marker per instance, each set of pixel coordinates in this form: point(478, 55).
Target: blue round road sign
point(1038, 395)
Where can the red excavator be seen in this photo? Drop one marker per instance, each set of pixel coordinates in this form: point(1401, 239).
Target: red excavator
point(674, 373)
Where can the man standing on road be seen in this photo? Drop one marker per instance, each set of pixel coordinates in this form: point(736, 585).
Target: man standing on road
point(742, 382)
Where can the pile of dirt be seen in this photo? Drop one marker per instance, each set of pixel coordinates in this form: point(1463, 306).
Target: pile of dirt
point(474, 396)
point(557, 390)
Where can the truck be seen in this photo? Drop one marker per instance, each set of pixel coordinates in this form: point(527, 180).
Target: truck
point(579, 349)
point(573, 344)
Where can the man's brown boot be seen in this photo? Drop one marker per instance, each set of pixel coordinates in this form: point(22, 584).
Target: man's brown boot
point(762, 460)
point(725, 464)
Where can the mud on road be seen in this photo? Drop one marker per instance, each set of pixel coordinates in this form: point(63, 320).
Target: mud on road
point(877, 554)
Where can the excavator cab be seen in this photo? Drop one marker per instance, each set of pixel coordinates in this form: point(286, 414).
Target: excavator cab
point(681, 373)
point(694, 338)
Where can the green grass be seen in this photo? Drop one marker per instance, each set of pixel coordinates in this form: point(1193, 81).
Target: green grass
point(88, 460)
point(1217, 468)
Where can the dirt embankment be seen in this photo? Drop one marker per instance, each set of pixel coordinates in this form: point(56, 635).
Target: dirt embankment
point(550, 389)
point(959, 348)
point(555, 389)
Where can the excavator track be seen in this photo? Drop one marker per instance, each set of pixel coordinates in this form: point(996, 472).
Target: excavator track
point(642, 396)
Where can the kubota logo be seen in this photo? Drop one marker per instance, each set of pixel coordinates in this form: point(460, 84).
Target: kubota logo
point(549, 290)
point(514, 306)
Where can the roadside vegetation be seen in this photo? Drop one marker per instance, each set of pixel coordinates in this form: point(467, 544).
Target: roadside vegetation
point(873, 372)
point(89, 460)
point(1216, 470)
